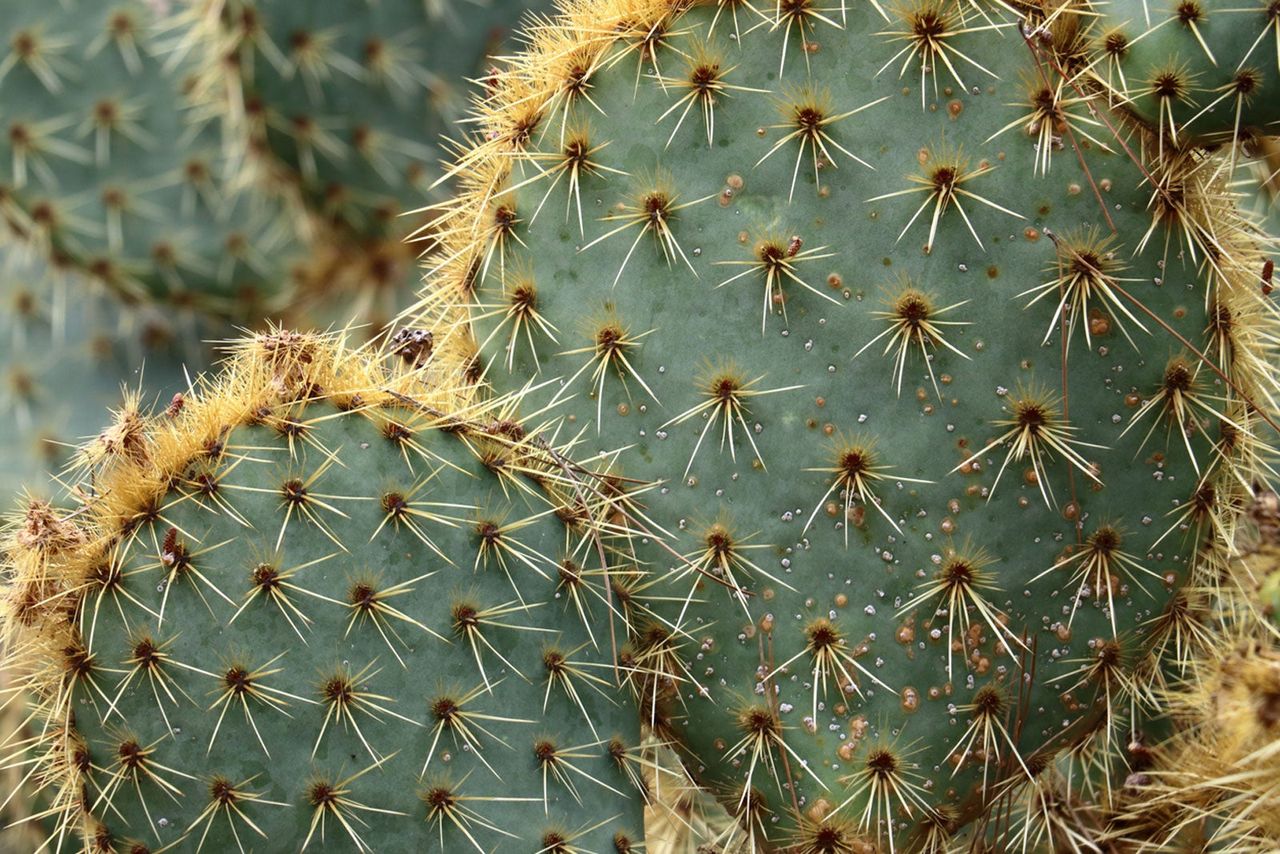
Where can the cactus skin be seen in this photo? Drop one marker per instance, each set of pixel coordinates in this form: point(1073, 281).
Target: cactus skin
point(617, 314)
point(103, 168)
point(1196, 69)
point(115, 666)
point(65, 357)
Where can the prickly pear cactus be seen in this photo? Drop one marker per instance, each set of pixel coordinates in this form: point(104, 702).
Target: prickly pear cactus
point(67, 357)
point(951, 378)
point(1196, 69)
point(321, 606)
point(104, 169)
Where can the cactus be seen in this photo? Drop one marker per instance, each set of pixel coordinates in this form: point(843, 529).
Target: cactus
point(67, 357)
point(339, 107)
point(954, 380)
point(323, 605)
point(1193, 69)
point(105, 171)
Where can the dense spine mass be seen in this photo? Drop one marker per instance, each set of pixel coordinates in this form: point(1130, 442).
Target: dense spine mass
point(955, 378)
point(324, 604)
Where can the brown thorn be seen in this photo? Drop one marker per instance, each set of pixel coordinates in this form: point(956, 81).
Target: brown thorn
point(1066, 404)
point(1036, 55)
point(771, 697)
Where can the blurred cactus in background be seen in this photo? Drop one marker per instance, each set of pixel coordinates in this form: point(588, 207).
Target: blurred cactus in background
point(108, 171)
point(338, 108)
point(158, 183)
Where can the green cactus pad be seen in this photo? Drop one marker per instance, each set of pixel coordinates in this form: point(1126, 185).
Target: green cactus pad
point(303, 612)
point(807, 265)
